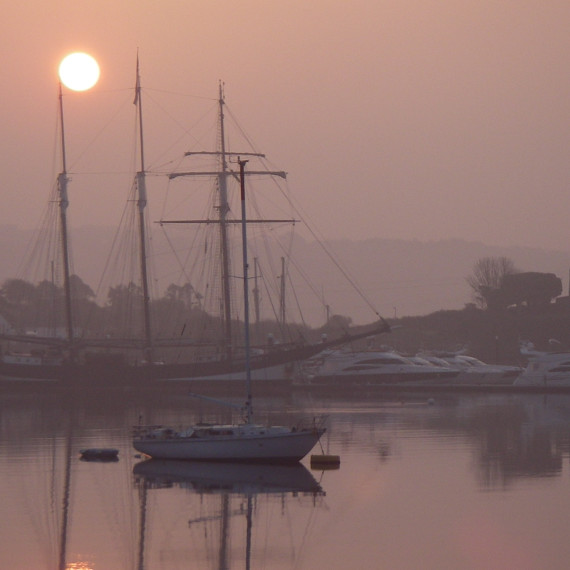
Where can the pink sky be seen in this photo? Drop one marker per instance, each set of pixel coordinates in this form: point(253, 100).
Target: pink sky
point(414, 119)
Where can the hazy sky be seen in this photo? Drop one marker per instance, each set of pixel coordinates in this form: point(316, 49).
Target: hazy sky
point(414, 119)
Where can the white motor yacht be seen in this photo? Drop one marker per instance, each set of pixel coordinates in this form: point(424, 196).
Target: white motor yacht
point(341, 367)
point(473, 371)
point(546, 369)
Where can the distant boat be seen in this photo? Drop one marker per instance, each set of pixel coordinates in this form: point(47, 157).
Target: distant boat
point(544, 369)
point(472, 371)
point(371, 368)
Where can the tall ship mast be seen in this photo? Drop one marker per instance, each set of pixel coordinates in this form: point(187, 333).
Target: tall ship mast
point(62, 180)
point(140, 182)
point(224, 173)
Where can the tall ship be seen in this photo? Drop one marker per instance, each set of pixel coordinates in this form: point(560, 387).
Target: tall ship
point(208, 348)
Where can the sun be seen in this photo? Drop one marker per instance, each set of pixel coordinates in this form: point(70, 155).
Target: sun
point(79, 71)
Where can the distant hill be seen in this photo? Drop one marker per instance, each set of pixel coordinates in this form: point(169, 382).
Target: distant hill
point(408, 278)
point(400, 278)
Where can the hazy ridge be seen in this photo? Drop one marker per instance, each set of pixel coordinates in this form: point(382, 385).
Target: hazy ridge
point(398, 277)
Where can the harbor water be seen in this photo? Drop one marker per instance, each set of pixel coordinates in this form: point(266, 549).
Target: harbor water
point(431, 481)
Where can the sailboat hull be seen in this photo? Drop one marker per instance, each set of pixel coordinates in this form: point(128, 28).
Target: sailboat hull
point(266, 445)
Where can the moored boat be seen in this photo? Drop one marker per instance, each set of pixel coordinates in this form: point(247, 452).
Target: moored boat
point(241, 442)
point(343, 367)
point(474, 372)
point(247, 441)
point(546, 370)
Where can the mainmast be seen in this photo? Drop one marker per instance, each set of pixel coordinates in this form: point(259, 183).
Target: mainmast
point(62, 180)
point(222, 174)
point(141, 204)
point(223, 212)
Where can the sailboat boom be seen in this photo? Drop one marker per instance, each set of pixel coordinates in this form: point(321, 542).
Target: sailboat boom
point(210, 221)
point(226, 153)
point(279, 173)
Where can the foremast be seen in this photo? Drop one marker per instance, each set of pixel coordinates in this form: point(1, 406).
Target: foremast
point(62, 181)
point(140, 182)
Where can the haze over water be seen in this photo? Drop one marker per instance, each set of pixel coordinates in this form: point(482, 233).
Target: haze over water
point(440, 482)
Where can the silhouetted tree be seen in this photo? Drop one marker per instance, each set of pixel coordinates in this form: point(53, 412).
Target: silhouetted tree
point(185, 293)
point(124, 305)
point(79, 289)
point(487, 278)
point(337, 322)
point(18, 292)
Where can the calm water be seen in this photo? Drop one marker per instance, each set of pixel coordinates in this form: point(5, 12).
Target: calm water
point(457, 482)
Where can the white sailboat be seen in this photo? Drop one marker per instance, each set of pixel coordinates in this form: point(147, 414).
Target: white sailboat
point(247, 442)
point(240, 442)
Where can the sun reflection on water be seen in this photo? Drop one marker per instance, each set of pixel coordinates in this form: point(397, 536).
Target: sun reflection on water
point(81, 565)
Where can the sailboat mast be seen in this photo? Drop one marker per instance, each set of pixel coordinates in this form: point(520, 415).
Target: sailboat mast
point(282, 294)
point(248, 404)
point(141, 204)
point(223, 212)
point(256, 301)
point(62, 180)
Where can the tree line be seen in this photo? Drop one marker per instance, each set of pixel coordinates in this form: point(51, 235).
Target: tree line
point(40, 309)
point(28, 307)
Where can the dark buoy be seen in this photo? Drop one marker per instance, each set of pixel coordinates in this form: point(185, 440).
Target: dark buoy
point(323, 461)
point(99, 454)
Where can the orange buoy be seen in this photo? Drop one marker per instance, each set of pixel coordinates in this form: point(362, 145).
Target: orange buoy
point(323, 461)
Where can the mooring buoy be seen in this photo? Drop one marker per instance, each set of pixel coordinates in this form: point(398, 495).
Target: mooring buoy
point(323, 461)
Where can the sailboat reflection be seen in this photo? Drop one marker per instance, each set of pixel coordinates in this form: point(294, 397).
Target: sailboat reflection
point(230, 482)
point(240, 478)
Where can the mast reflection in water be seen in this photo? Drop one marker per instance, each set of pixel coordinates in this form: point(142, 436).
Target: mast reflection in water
point(427, 481)
point(225, 490)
